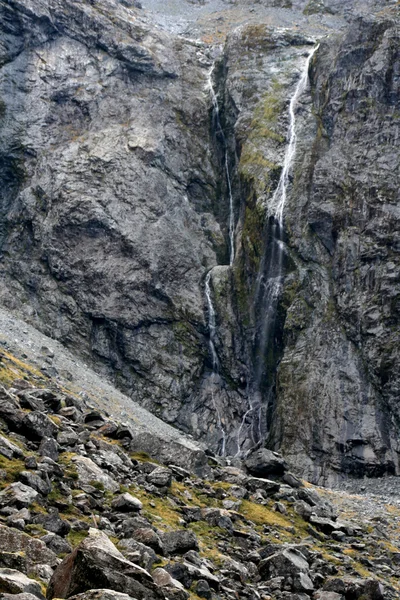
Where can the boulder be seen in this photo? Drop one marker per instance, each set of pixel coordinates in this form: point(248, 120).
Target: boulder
point(268, 486)
point(67, 438)
point(88, 472)
point(18, 495)
point(37, 425)
point(97, 564)
point(49, 448)
point(145, 556)
point(56, 543)
point(173, 589)
point(22, 596)
point(53, 523)
point(263, 463)
point(160, 477)
point(41, 485)
point(14, 582)
point(355, 587)
point(8, 449)
point(148, 537)
point(32, 550)
point(127, 503)
point(179, 542)
point(102, 595)
point(284, 563)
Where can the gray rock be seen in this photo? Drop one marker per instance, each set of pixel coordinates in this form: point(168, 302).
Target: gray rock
point(264, 463)
point(37, 425)
point(127, 503)
point(96, 563)
point(67, 438)
point(179, 542)
point(14, 582)
point(268, 486)
point(18, 494)
point(88, 472)
point(161, 477)
point(53, 523)
point(102, 595)
point(41, 485)
point(8, 449)
point(287, 563)
point(49, 448)
point(23, 596)
point(56, 543)
point(32, 550)
point(146, 555)
point(203, 589)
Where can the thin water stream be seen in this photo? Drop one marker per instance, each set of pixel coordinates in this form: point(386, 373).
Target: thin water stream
point(270, 278)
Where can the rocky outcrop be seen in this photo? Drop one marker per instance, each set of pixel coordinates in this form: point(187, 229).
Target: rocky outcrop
point(126, 154)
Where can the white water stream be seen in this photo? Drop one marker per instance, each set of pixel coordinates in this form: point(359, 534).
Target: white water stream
point(215, 373)
point(280, 194)
point(270, 277)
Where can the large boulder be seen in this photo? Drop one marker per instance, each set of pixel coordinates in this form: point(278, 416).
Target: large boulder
point(18, 495)
point(127, 503)
point(31, 550)
point(88, 472)
point(96, 564)
point(264, 463)
point(8, 449)
point(14, 582)
point(179, 542)
point(289, 564)
point(37, 425)
point(102, 595)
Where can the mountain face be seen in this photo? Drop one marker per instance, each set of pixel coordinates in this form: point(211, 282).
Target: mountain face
point(140, 154)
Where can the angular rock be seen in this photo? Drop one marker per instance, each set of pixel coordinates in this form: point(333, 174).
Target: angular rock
point(37, 425)
point(53, 523)
point(67, 438)
point(283, 564)
point(19, 495)
point(263, 463)
point(127, 503)
point(49, 448)
point(160, 477)
point(97, 564)
point(56, 543)
point(8, 449)
point(14, 582)
point(179, 542)
point(268, 486)
point(88, 472)
point(33, 550)
point(43, 486)
point(102, 595)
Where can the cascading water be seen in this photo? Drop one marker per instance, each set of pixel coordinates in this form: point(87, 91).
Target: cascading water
point(270, 277)
point(216, 377)
point(215, 373)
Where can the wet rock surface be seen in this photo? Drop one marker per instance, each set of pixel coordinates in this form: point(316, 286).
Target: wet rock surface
point(120, 176)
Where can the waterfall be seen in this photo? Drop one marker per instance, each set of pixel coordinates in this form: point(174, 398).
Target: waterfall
point(270, 277)
point(280, 194)
point(231, 223)
point(215, 373)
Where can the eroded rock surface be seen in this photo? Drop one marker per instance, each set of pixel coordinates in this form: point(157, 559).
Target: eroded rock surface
point(119, 181)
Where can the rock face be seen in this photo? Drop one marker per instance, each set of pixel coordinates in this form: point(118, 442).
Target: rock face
point(119, 181)
point(96, 563)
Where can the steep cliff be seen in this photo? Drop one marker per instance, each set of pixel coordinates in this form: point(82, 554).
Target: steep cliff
point(126, 150)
